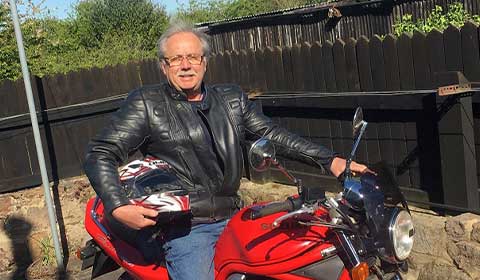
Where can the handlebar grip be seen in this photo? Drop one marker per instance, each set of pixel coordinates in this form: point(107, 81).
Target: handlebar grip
point(272, 208)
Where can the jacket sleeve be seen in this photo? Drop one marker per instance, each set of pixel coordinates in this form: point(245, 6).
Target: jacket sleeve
point(124, 133)
point(288, 144)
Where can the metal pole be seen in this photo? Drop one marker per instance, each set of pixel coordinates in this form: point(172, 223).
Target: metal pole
point(36, 135)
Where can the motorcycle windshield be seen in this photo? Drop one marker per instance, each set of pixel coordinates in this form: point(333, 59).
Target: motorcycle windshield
point(385, 181)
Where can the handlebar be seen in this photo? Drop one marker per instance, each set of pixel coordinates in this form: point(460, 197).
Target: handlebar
point(292, 203)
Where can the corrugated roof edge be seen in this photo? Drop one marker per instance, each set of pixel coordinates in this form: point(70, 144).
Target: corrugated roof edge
point(294, 10)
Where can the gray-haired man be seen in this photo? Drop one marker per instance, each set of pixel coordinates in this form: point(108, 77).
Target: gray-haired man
point(199, 130)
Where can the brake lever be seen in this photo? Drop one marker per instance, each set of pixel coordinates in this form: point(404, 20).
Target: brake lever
point(310, 209)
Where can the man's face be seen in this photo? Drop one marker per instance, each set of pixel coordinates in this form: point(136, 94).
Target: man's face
point(186, 77)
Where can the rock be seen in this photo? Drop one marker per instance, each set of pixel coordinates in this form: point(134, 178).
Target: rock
point(38, 217)
point(252, 193)
point(6, 206)
point(475, 236)
point(425, 248)
point(6, 259)
point(41, 246)
point(466, 255)
point(459, 227)
point(441, 271)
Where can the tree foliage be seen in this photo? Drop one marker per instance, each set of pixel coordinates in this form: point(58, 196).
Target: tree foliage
point(212, 10)
point(98, 33)
point(438, 19)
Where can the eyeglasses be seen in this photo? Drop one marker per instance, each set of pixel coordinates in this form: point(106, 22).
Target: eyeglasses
point(194, 59)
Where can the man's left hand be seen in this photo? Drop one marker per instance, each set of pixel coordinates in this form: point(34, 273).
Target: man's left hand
point(339, 164)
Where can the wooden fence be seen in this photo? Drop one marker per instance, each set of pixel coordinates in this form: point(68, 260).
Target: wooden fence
point(73, 107)
point(430, 142)
point(312, 24)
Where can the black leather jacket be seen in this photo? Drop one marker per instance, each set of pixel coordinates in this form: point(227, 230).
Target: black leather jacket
point(160, 122)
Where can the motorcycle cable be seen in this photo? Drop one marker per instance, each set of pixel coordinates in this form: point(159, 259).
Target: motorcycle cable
point(345, 218)
point(325, 224)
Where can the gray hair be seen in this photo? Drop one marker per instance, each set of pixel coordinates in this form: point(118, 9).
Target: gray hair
point(180, 26)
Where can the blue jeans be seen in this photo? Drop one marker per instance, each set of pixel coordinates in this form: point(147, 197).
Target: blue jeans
point(189, 251)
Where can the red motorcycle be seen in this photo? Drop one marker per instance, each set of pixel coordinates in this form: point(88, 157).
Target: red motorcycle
point(365, 232)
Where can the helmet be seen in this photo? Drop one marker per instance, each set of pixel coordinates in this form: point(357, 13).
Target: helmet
point(151, 183)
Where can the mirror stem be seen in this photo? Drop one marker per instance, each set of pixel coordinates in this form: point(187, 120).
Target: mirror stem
point(348, 172)
point(296, 181)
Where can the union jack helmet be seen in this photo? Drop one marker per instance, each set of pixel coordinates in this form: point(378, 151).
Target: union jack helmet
point(151, 183)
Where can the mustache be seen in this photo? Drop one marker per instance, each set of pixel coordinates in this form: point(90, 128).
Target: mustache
point(189, 72)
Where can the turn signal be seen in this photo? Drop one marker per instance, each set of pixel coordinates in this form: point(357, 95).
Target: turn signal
point(360, 272)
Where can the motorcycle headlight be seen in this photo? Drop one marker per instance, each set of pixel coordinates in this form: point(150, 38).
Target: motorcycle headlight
point(401, 232)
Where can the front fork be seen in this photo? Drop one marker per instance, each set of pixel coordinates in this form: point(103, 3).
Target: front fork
point(346, 250)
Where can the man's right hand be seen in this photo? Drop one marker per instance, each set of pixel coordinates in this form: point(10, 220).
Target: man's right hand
point(134, 216)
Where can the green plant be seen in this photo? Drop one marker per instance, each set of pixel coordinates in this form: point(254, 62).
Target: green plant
point(438, 19)
point(405, 25)
point(47, 250)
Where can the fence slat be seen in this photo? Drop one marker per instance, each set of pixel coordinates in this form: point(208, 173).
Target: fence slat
point(220, 63)
point(7, 98)
point(390, 56)
point(470, 53)
point(259, 69)
point(373, 144)
point(453, 49)
point(270, 69)
point(340, 65)
point(244, 70)
point(364, 68)
point(298, 68)
point(227, 67)
point(405, 62)
point(279, 71)
point(436, 54)
point(317, 61)
point(413, 153)
point(214, 68)
point(288, 68)
point(306, 60)
point(399, 145)
point(385, 143)
point(235, 66)
point(420, 61)
point(337, 140)
point(352, 65)
point(329, 67)
point(377, 63)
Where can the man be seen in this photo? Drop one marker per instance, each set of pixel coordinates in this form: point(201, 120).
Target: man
point(199, 130)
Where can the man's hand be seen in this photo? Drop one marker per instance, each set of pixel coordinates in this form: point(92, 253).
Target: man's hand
point(133, 216)
point(339, 164)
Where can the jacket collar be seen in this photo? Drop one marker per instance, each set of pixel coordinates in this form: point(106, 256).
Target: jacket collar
point(182, 96)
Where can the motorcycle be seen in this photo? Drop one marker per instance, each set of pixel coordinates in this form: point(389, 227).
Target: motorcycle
point(364, 232)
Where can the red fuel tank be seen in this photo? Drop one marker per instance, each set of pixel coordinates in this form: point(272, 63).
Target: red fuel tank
point(259, 247)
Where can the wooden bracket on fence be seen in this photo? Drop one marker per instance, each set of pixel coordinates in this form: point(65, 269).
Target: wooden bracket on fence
point(451, 82)
point(454, 89)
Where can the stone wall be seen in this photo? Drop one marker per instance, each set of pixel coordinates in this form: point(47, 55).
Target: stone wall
point(445, 248)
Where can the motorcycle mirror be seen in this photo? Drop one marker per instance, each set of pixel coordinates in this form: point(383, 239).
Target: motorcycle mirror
point(357, 121)
point(261, 154)
point(358, 128)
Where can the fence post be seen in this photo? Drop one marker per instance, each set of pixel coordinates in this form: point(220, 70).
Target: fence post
point(457, 147)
